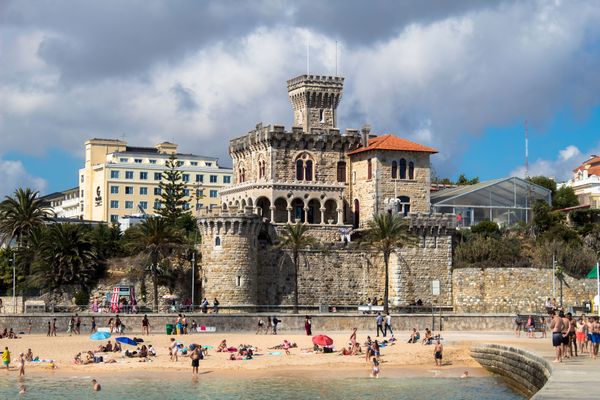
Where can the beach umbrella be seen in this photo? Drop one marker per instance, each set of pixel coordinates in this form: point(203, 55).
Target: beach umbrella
point(100, 336)
point(126, 340)
point(322, 340)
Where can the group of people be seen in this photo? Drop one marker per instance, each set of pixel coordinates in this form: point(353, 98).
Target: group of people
point(8, 334)
point(204, 305)
point(572, 337)
point(384, 324)
point(270, 327)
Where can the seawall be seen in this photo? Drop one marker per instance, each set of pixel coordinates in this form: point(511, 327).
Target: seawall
point(248, 322)
point(524, 370)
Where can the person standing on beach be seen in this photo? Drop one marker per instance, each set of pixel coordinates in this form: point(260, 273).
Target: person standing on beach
point(49, 328)
point(376, 369)
point(437, 353)
point(379, 321)
point(118, 324)
point(388, 325)
point(353, 338)
point(93, 329)
point(53, 333)
point(261, 323)
point(308, 326)
point(556, 326)
point(6, 358)
point(145, 325)
point(21, 364)
point(70, 326)
point(275, 322)
point(269, 328)
point(173, 350)
point(195, 356)
point(77, 324)
point(565, 334)
point(571, 335)
point(595, 337)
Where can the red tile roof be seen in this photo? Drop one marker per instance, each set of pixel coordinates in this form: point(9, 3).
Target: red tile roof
point(394, 143)
point(592, 165)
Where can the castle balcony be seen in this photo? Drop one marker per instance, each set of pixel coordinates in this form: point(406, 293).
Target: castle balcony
point(289, 202)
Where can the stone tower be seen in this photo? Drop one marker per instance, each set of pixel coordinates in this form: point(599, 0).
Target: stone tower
point(314, 100)
point(229, 264)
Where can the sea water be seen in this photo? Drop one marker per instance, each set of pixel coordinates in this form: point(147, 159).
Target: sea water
point(207, 387)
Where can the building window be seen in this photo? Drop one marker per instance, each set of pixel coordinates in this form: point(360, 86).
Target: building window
point(411, 170)
point(128, 174)
point(218, 241)
point(199, 193)
point(186, 206)
point(179, 163)
point(185, 177)
point(157, 176)
point(241, 175)
point(403, 205)
point(123, 160)
point(114, 189)
point(128, 189)
point(369, 169)
point(186, 192)
point(114, 204)
point(261, 168)
point(157, 205)
point(299, 170)
point(114, 218)
point(208, 164)
point(308, 171)
point(402, 168)
point(199, 178)
point(137, 160)
point(157, 191)
point(152, 161)
point(394, 170)
point(143, 175)
point(213, 193)
point(226, 179)
point(143, 190)
point(144, 205)
point(341, 171)
point(82, 178)
point(321, 115)
point(238, 281)
point(129, 204)
point(194, 163)
point(114, 174)
point(213, 179)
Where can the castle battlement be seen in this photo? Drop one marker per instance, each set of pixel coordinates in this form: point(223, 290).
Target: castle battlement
point(441, 223)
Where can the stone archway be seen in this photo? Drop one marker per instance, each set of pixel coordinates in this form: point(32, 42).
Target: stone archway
point(298, 214)
point(263, 206)
point(331, 212)
point(314, 212)
point(281, 211)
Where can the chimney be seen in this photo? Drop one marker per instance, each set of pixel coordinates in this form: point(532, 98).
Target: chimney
point(365, 131)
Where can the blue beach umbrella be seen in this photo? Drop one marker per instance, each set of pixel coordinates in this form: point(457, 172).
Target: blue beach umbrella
point(100, 336)
point(126, 340)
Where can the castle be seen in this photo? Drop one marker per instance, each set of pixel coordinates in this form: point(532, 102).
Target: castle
point(334, 182)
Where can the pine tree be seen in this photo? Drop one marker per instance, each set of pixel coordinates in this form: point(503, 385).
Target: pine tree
point(172, 192)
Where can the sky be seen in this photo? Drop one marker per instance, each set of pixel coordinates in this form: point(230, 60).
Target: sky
point(462, 76)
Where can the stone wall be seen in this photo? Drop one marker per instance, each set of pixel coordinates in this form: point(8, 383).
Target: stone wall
point(514, 290)
point(247, 322)
point(523, 370)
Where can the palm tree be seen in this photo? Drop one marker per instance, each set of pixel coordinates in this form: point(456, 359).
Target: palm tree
point(295, 238)
point(21, 214)
point(157, 239)
point(387, 232)
point(65, 256)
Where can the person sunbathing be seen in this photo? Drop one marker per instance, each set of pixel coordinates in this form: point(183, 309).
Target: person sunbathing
point(77, 359)
point(428, 337)
point(108, 347)
point(151, 350)
point(117, 347)
point(356, 349)
point(143, 351)
point(222, 347)
point(346, 351)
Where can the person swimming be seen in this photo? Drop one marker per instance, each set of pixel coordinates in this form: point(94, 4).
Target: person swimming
point(96, 386)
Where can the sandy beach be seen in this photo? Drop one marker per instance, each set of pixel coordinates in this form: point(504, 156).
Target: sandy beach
point(398, 359)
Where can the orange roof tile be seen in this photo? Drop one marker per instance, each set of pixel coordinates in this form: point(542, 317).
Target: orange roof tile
point(592, 165)
point(394, 143)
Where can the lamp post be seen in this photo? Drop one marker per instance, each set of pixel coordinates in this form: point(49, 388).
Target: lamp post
point(14, 284)
point(198, 197)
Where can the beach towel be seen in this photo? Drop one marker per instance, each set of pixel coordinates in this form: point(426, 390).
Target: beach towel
point(275, 353)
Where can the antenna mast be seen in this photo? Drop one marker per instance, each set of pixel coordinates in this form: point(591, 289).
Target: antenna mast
point(336, 58)
point(307, 57)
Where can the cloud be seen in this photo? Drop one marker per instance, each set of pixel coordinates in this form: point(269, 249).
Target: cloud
point(13, 175)
point(201, 73)
point(559, 168)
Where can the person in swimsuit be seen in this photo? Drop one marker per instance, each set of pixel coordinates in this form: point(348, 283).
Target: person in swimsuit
point(595, 337)
point(571, 335)
point(437, 353)
point(93, 329)
point(96, 386)
point(581, 334)
point(556, 326)
point(565, 334)
point(145, 325)
point(21, 364)
point(259, 328)
point(6, 358)
point(195, 360)
point(376, 369)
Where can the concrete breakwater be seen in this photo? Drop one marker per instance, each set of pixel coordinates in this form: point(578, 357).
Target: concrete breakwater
point(248, 322)
point(524, 370)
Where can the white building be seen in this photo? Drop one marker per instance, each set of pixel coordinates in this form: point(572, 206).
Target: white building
point(65, 204)
point(586, 182)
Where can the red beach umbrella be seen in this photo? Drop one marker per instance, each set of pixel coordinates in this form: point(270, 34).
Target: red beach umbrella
point(322, 340)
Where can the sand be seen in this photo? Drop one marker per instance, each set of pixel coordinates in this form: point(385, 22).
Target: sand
point(398, 359)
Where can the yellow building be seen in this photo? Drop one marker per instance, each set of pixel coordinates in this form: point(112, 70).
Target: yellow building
point(119, 180)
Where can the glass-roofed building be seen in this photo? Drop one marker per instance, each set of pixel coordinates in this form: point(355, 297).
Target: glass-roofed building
point(505, 201)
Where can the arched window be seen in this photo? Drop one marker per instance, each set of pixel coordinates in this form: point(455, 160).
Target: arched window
point(308, 171)
point(402, 168)
point(403, 205)
point(411, 170)
point(369, 169)
point(299, 170)
point(218, 241)
point(261, 169)
point(394, 170)
point(341, 171)
point(321, 115)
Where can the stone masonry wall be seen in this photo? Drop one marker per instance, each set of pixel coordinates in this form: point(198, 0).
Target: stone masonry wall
point(514, 290)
